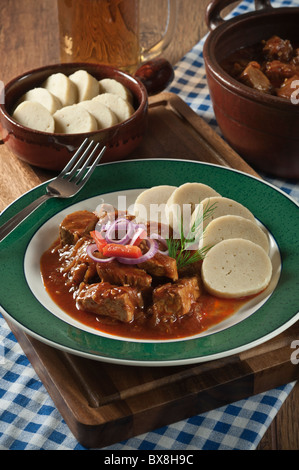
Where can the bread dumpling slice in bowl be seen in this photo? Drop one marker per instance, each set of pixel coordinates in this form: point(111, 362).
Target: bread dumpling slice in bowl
point(62, 87)
point(87, 85)
point(44, 97)
point(74, 120)
point(34, 116)
point(121, 108)
point(103, 115)
point(109, 85)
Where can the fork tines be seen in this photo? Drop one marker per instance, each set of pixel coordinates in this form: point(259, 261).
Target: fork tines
point(85, 155)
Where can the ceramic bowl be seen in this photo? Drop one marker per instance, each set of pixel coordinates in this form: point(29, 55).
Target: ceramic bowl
point(52, 151)
point(262, 128)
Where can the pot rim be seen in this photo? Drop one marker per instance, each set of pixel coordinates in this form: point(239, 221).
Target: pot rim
point(231, 83)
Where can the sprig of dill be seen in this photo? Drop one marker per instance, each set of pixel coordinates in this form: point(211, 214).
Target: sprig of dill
point(180, 249)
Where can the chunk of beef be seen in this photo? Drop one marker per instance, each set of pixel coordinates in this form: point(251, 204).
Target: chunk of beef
point(121, 275)
point(290, 89)
point(237, 68)
point(76, 225)
point(118, 302)
point(171, 301)
point(161, 265)
point(76, 264)
point(236, 62)
point(277, 71)
point(192, 269)
point(277, 48)
point(108, 214)
point(253, 76)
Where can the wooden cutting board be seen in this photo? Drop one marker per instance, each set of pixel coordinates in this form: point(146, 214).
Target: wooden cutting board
point(105, 403)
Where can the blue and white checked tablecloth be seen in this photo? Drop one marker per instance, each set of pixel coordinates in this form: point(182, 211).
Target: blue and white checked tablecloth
point(29, 419)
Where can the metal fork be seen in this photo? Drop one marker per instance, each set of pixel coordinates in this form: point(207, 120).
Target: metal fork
point(68, 183)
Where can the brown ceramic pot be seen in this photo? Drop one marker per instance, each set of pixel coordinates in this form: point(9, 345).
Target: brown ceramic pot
point(53, 151)
point(263, 129)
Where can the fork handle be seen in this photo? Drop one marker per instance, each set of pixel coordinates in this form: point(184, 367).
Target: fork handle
point(12, 223)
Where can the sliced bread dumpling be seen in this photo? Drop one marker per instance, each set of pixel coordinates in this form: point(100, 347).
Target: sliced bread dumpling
point(236, 268)
point(103, 115)
point(218, 206)
point(151, 203)
point(184, 200)
point(110, 85)
point(35, 116)
point(74, 120)
point(87, 85)
point(121, 108)
point(234, 226)
point(44, 97)
point(61, 86)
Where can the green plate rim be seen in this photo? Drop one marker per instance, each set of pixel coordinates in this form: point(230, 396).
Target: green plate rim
point(278, 313)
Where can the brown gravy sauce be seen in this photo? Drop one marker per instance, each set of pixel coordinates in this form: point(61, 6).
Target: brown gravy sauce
point(206, 312)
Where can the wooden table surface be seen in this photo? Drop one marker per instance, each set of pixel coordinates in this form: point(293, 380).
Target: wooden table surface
point(29, 39)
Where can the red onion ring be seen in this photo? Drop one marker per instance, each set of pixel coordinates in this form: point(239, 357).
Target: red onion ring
point(114, 226)
point(158, 237)
point(136, 235)
point(133, 232)
point(90, 251)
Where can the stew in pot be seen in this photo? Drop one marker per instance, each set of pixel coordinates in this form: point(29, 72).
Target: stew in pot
point(271, 66)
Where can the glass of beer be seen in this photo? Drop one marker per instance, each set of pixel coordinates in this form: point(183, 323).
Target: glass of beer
point(121, 33)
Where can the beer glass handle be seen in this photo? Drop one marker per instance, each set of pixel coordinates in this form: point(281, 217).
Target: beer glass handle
point(156, 49)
